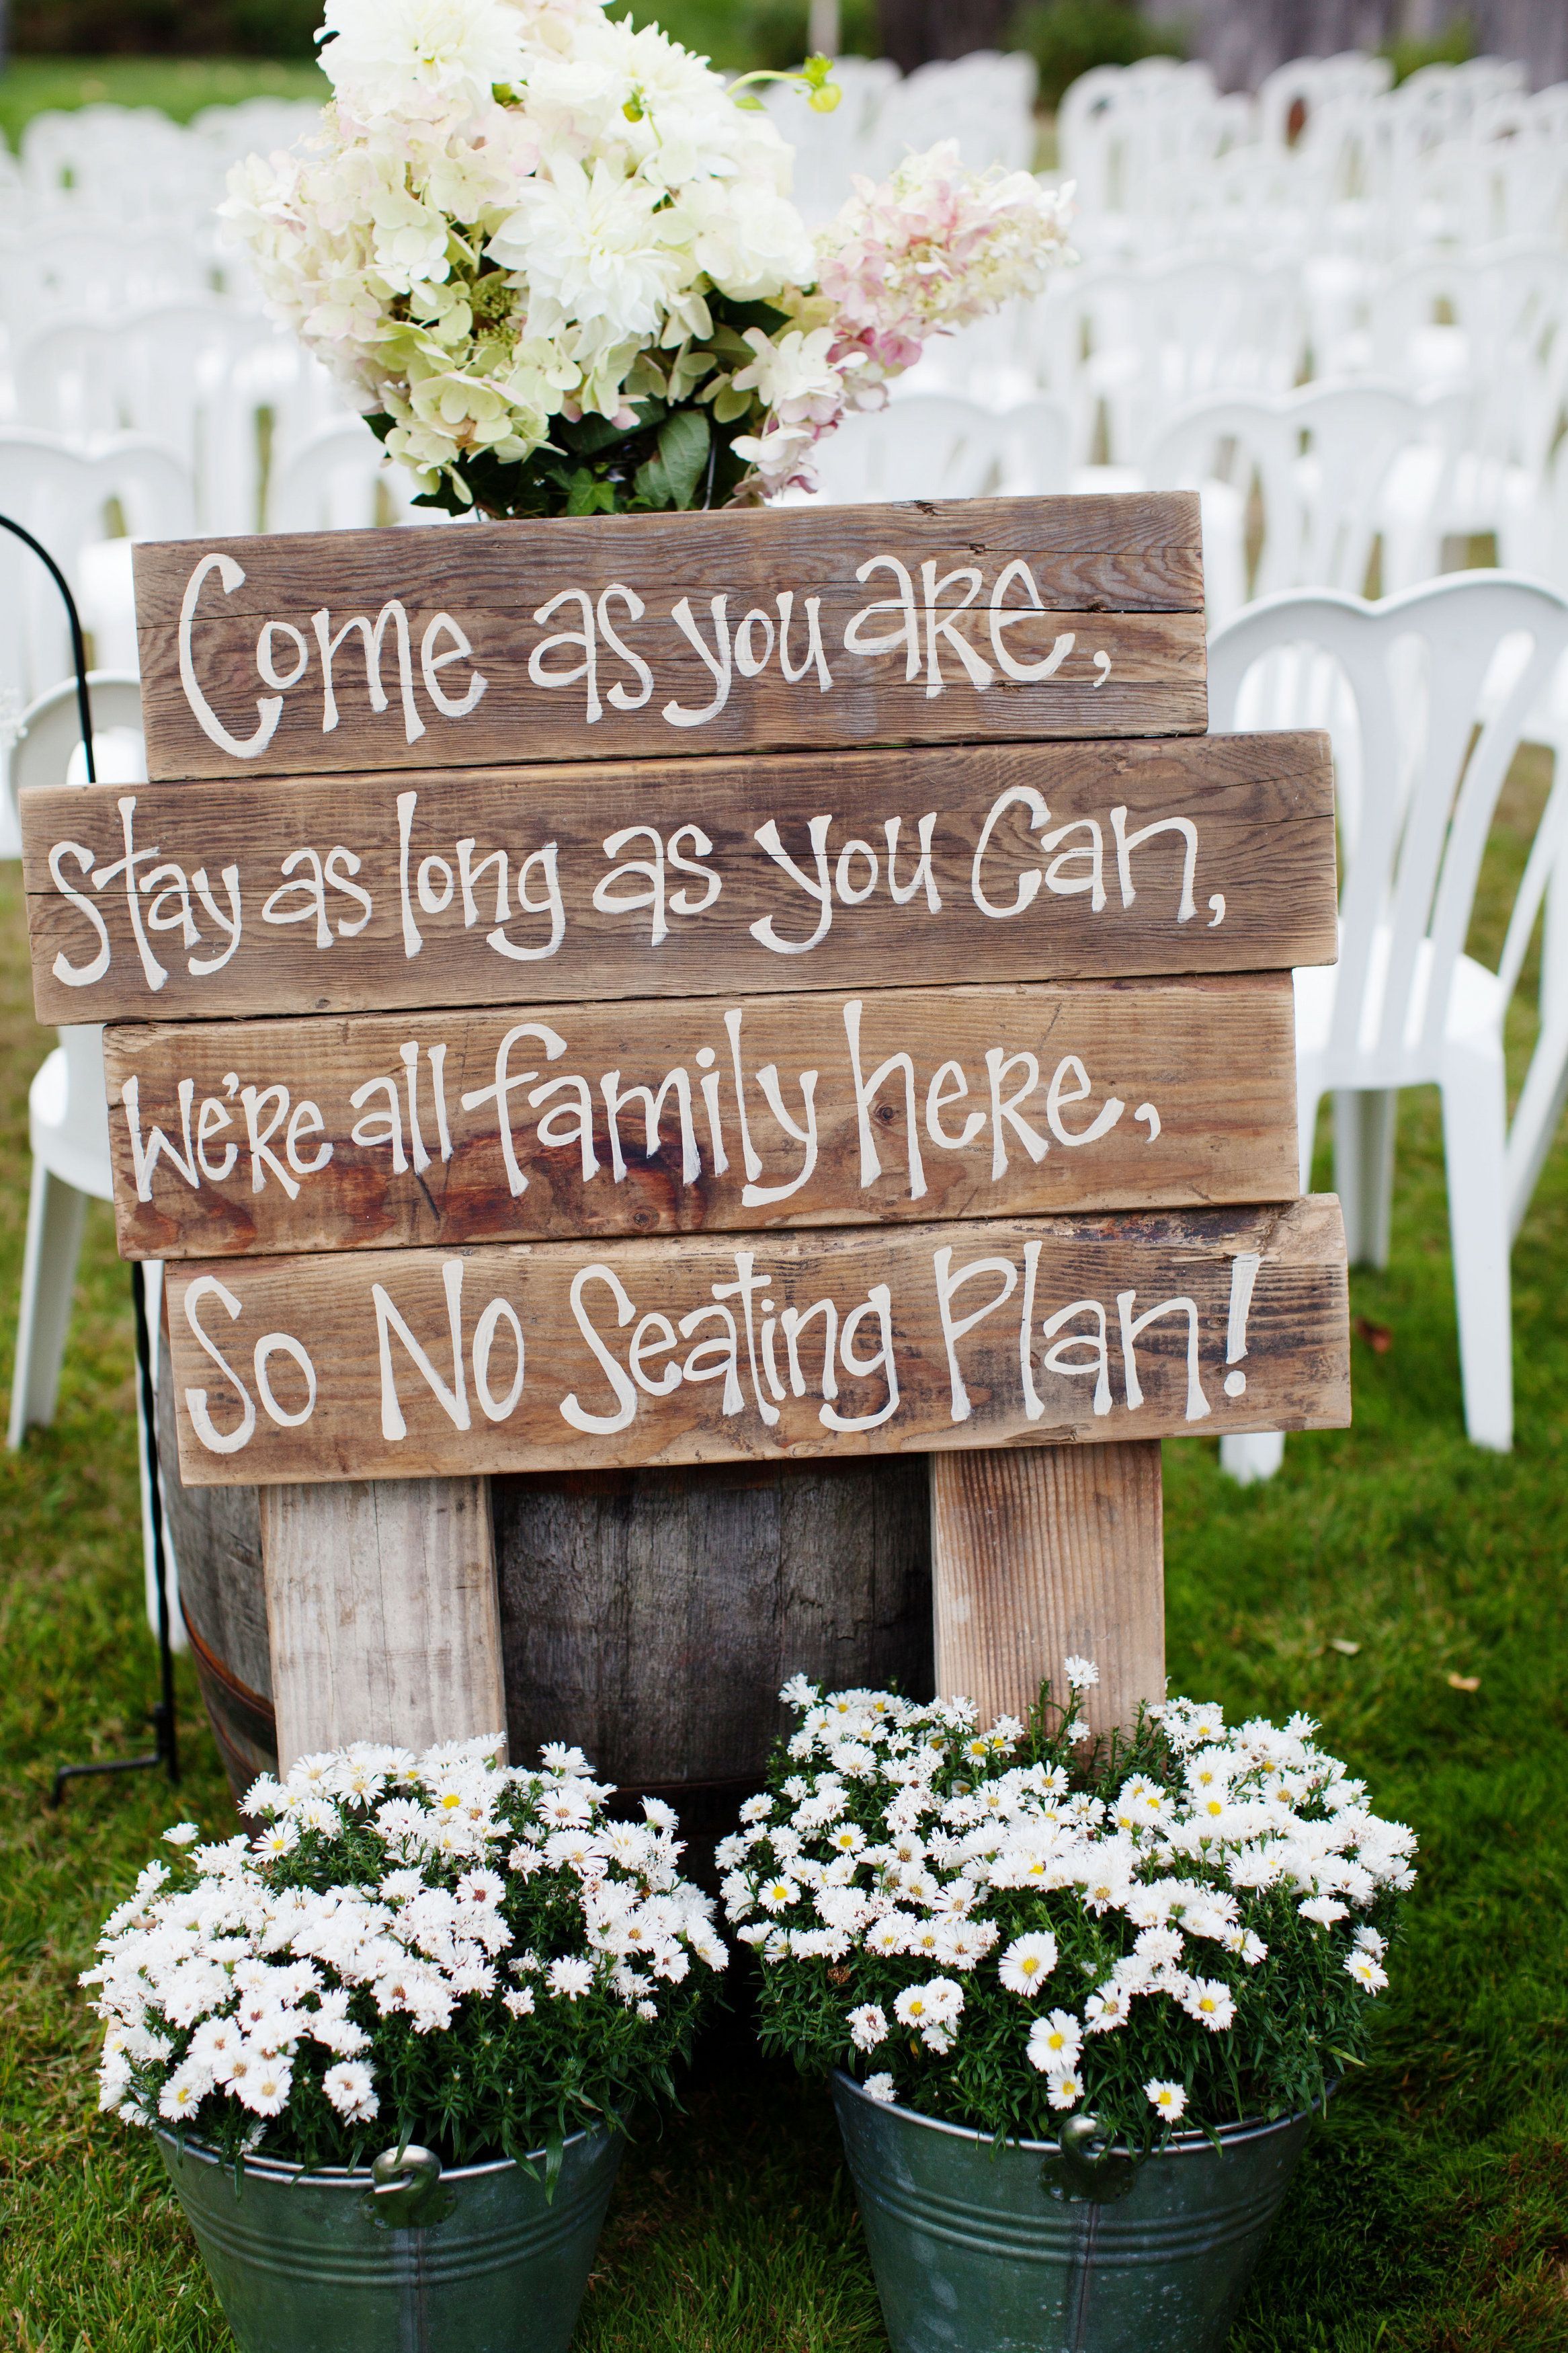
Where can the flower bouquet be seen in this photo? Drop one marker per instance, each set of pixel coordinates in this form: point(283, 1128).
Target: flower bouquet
point(459, 1966)
point(1068, 1966)
point(553, 258)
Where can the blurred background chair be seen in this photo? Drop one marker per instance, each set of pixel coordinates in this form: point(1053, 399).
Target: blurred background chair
point(1437, 685)
point(68, 1114)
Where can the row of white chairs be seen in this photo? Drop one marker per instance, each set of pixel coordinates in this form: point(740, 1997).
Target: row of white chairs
point(1122, 343)
point(1334, 485)
point(136, 162)
point(1328, 156)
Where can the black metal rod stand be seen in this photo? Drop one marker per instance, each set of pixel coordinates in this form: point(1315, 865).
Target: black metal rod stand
point(166, 1750)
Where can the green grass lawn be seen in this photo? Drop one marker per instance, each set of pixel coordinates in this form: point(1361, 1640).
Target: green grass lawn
point(180, 87)
point(1431, 2215)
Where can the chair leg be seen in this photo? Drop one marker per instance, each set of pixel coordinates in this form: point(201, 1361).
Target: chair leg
point(56, 1213)
point(1474, 1115)
point(1364, 1170)
point(1251, 1456)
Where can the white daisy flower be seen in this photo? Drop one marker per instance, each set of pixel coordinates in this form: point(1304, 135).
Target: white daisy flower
point(1027, 1963)
point(349, 2087)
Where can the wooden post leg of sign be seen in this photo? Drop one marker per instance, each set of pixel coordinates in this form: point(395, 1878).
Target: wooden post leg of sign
point(1042, 1551)
point(383, 1618)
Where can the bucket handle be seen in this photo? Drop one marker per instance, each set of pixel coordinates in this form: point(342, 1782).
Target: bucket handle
point(406, 2195)
point(1084, 2166)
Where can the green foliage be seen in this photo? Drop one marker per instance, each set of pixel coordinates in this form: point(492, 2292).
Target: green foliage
point(1454, 45)
point(1430, 2214)
point(211, 28)
point(678, 454)
point(1067, 38)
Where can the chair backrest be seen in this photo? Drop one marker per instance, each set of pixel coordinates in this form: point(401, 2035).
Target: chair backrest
point(1319, 456)
point(197, 374)
point(49, 751)
point(985, 101)
point(132, 160)
point(1437, 685)
point(340, 478)
point(937, 445)
point(830, 149)
point(67, 497)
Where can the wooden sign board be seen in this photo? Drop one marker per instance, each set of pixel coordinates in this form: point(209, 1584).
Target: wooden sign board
point(809, 627)
point(681, 878)
point(645, 1117)
point(557, 1029)
point(386, 1364)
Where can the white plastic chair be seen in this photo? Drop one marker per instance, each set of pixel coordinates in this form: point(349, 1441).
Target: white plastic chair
point(1406, 1006)
point(197, 374)
point(80, 504)
point(340, 478)
point(1318, 458)
point(67, 1114)
point(935, 445)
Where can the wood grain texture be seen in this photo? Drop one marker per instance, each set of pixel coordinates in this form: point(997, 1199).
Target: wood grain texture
point(215, 1533)
point(386, 1365)
point(1121, 577)
point(1242, 877)
point(653, 1616)
point(1042, 1553)
point(1078, 1095)
point(382, 1613)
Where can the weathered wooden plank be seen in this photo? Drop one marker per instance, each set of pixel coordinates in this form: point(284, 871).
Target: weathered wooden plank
point(539, 1355)
point(682, 878)
point(1043, 1553)
point(652, 1616)
point(623, 635)
point(382, 1613)
point(382, 1130)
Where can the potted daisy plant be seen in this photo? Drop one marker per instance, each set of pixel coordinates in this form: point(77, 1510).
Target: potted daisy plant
point(391, 2044)
point(1077, 2009)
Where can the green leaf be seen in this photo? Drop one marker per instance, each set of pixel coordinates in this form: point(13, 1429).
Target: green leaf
point(683, 444)
point(589, 495)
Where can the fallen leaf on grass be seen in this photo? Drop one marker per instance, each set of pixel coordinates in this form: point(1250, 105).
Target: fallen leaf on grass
point(1463, 1683)
point(1378, 1336)
point(1346, 1649)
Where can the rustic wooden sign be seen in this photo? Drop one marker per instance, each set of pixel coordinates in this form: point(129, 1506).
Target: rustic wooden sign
point(987, 620)
point(382, 1130)
point(654, 1080)
point(533, 1357)
point(682, 878)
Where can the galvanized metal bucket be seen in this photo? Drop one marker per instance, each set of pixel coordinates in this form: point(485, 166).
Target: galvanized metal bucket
point(402, 2259)
point(1025, 2250)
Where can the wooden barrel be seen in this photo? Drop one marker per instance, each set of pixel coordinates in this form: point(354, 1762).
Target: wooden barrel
point(649, 1616)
